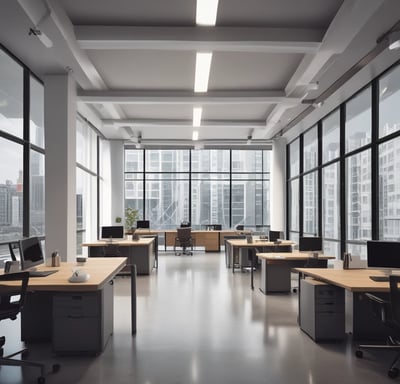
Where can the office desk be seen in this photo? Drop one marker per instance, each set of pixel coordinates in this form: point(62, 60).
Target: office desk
point(139, 252)
point(210, 240)
point(265, 246)
point(276, 268)
point(355, 282)
point(75, 317)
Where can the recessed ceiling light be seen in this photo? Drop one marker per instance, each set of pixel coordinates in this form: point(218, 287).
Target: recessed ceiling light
point(197, 111)
point(195, 135)
point(203, 64)
point(206, 12)
point(394, 40)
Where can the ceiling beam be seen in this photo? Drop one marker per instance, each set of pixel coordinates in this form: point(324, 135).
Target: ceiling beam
point(164, 123)
point(146, 98)
point(235, 39)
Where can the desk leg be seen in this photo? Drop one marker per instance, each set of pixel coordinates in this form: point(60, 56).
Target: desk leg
point(133, 298)
point(252, 272)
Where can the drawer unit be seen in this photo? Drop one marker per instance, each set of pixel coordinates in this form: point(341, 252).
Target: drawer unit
point(322, 310)
point(82, 321)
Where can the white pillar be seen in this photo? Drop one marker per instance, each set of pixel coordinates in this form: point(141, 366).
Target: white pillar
point(278, 185)
point(117, 180)
point(60, 165)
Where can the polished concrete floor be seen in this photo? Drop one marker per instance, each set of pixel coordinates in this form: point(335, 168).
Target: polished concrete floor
point(198, 323)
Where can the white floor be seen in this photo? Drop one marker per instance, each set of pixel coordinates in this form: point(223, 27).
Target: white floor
point(199, 323)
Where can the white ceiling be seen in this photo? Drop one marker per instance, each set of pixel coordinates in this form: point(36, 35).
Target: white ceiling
point(134, 61)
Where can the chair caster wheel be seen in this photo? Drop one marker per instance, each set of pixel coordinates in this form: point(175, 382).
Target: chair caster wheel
point(294, 290)
point(393, 373)
point(359, 354)
point(56, 368)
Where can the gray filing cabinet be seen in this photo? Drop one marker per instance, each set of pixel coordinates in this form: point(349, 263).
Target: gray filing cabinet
point(83, 321)
point(322, 310)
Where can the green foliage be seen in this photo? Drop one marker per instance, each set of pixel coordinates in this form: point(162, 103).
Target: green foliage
point(118, 219)
point(131, 216)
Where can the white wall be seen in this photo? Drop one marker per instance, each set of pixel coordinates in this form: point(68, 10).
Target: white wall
point(117, 180)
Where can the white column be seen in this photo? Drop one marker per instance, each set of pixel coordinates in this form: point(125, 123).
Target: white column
point(117, 180)
point(60, 165)
point(278, 185)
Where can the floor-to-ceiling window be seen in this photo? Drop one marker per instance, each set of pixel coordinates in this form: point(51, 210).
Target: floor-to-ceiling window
point(210, 186)
point(360, 168)
point(22, 149)
point(86, 183)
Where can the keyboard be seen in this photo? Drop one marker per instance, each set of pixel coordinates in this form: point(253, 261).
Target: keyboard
point(379, 278)
point(41, 273)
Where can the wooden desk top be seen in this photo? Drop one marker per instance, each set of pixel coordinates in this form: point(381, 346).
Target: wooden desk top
point(295, 255)
point(242, 243)
point(355, 280)
point(120, 243)
point(100, 269)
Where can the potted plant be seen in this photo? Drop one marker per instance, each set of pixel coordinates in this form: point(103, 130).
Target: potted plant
point(131, 216)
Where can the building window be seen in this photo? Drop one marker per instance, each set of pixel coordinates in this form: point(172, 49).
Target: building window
point(310, 151)
point(358, 120)
point(389, 99)
point(331, 137)
point(226, 187)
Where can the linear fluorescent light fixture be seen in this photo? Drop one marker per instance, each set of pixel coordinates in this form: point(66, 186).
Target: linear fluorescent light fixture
point(195, 135)
point(394, 40)
point(197, 111)
point(203, 65)
point(206, 12)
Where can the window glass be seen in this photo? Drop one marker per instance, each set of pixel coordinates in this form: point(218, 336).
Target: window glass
point(86, 208)
point(167, 160)
point(294, 206)
point(211, 160)
point(167, 201)
point(86, 146)
point(310, 152)
point(389, 190)
point(36, 121)
point(294, 156)
point(11, 190)
point(310, 204)
point(11, 96)
point(331, 137)
point(358, 196)
point(358, 120)
point(247, 161)
point(331, 202)
point(37, 190)
point(133, 160)
point(389, 100)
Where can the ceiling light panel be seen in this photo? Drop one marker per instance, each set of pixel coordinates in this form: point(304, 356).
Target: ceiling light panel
point(206, 12)
point(197, 111)
point(195, 135)
point(202, 74)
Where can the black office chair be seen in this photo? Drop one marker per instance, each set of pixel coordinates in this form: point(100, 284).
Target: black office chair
point(184, 240)
point(11, 303)
point(388, 311)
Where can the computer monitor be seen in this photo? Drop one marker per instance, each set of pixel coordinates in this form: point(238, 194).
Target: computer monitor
point(383, 255)
point(310, 244)
point(30, 253)
point(185, 224)
point(275, 235)
point(112, 232)
point(143, 224)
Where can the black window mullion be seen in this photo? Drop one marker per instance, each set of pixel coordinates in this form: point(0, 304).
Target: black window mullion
point(319, 208)
point(190, 186)
point(144, 184)
point(301, 183)
point(375, 160)
point(26, 155)
point(343, 202)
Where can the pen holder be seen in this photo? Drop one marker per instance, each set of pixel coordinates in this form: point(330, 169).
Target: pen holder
point(55, 259)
